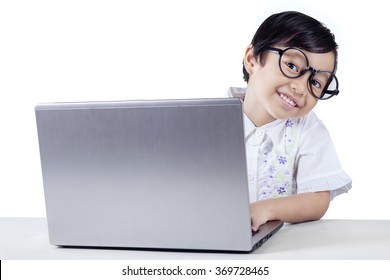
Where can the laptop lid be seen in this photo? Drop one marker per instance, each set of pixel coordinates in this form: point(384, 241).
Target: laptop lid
point(164, 174)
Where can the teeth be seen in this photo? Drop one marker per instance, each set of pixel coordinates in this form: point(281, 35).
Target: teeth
point(288, 100)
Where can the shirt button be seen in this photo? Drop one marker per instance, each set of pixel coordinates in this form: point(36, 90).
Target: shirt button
point(258, 133)
point(251, 177)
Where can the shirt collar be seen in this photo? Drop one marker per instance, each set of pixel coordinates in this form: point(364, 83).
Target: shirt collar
point(249, 126)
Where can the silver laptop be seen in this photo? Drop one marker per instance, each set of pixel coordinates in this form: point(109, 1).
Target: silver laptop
point(161, 174)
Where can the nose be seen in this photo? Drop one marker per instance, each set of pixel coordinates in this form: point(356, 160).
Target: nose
point(300, 85)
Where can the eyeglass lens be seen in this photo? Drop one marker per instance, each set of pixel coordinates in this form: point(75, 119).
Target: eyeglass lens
point(294, 63)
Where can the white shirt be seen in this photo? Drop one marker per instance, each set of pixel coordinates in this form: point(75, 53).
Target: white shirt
point(292, 156)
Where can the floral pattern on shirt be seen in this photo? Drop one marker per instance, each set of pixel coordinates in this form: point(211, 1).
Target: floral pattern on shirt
point(277, 165)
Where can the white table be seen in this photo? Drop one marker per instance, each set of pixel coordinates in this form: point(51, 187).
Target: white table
point(27, 239)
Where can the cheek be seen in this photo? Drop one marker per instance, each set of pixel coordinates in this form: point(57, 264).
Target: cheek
point(262, 82)
point(311, 103)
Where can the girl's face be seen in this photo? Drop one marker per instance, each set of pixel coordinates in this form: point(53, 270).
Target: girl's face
point(271, 95)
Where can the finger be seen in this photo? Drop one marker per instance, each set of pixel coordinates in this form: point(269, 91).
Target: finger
point(255, 226)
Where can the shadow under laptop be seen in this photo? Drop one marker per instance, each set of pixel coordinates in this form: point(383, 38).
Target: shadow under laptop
point(155, 250)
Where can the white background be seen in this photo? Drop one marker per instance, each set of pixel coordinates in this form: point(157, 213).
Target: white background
point(78, 50)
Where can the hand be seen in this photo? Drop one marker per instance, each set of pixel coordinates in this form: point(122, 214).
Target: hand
point(291, 209)
point(259, 214)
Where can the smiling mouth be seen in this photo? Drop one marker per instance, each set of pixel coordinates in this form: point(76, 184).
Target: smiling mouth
point(288, 100)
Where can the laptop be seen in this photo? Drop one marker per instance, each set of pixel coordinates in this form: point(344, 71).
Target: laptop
point(147, 174)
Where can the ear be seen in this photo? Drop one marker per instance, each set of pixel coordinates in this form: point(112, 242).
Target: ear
point(249, 60)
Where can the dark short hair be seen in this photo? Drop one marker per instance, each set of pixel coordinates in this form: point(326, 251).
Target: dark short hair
point(292, 29)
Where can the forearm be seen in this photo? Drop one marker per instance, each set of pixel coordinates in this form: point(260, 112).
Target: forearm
point(291, 209)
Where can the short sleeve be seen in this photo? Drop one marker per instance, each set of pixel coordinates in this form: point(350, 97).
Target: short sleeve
point(318, 166)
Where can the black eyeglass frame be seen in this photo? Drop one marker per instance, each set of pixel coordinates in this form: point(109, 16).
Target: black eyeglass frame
point(330, 93)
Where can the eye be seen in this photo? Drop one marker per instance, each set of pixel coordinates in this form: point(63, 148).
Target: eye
point(316, 83)
point(292, 67)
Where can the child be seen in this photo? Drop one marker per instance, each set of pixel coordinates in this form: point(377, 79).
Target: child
point(293, 168)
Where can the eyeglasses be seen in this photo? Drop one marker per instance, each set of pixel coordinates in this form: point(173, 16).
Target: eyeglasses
point(293, 63)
